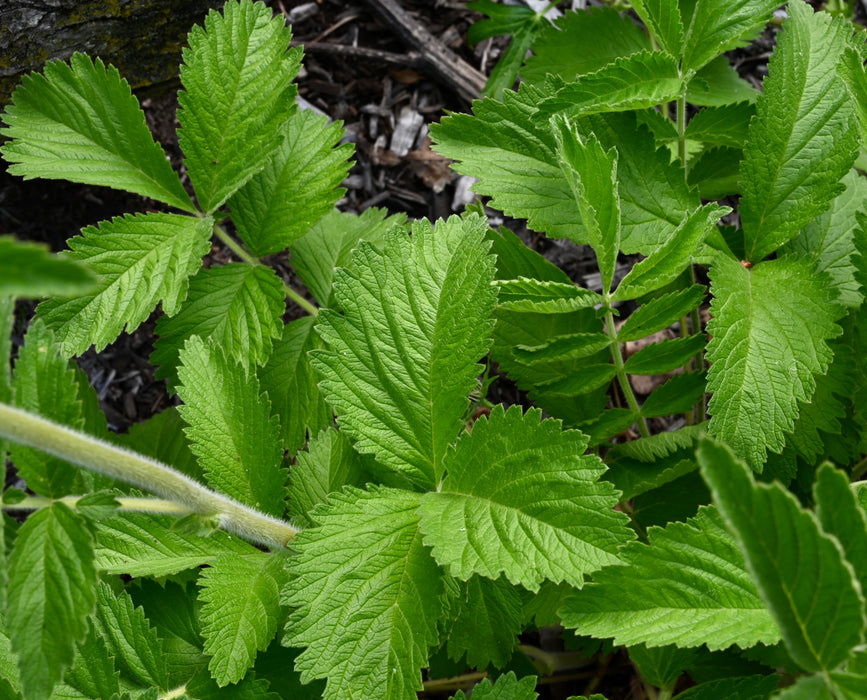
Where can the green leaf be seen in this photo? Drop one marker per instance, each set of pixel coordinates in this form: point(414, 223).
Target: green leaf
point(583, 42)
point(231, 127)
point(517, 263)
point(51, 592)
point(655, 447)
point(368, 596)
point(487, 623)
point(587, 379)
point(501, 20)
point(800, 571)
point(663, 21)
point(804, 135)
point(716, 26)
point(7, 324)
point(726, 125)
point(748, 688)
point(665, 356)
point(292, 385)
point(328, 464)
point(716, 173)
point(203, 687)
point(660, 313)
point(45, 384)
point(661, 666)
point(536, 296)
point(80, 122)
point(241, 611)
point(141, 260)
point(237, 306)
point(130, 638)
point(769, 334)
point(403, 355)
point(329, 244)
point(30, 270)
point(694, 590)
point(678, 395)
point(591, 172)
point(807, 688)
point(93, 673)
point(643, 79)
point(668, 261)
point(520, 498)
point(146, 545)
point(506, 687)
point(563, 347)
point(162, 437)
point(828, 240)
point(231, 429)
point(298, 186)
point(718, 84)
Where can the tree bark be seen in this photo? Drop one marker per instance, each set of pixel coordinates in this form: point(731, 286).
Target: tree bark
point(142, 38)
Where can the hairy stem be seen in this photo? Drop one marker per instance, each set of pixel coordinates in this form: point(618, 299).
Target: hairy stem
point(623, 380)
point(160, 479)
point(140, 505)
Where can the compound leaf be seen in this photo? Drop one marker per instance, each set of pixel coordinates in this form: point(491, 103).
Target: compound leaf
point(230, 127)
point(368, 595)
point(521, 499)
point(660, 313)
point(30, 270)
point(538, 296)
point(141, 260)
point(403, 353)
point(52, 579)
point(694, 590)
point(804, 136)
point(241, 611)
point(237, 306)
point(80, 122)
point(665, 356)
point(231, 429)
point(808, 586)
point(769, 334)
point(297, 187)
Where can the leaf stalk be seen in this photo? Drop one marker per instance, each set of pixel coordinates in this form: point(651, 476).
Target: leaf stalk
point(622, 378)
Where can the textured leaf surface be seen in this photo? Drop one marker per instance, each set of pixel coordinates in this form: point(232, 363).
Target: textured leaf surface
point(718, 84)
point(141, 260)
point(563, 347)
point(663, 21)
point(30, 270)
point(521, 499)
point(828, 240)
point(51, 592)
point(297, 187)
point(142, 545)
point(748, 688)
point(660, 313)
point(694, 590)
point(665, 356)
point(506, 687)
point(643, 79)
point(236, 306)
point(80, 122)
point(368, 596)
point(403, 354)
point(804, 135)
point(93, 673)
point(131, 640)
point(769, 335)
point(536, 296)
point(231, 126)
point(800, 571)
point(241, 611)
point(727, 125)
point(231, 429)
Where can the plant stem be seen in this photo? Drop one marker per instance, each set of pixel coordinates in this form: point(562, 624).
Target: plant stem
point(252, 260)
point(681, 134)
point(140, 505)
point(118, 463)
point(617, 356)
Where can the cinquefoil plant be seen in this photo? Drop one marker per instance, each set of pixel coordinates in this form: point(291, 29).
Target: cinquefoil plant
point(378, 523)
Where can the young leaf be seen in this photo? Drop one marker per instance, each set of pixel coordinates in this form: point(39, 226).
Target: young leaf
point(329, 243)
point(535, 296)
point(716, 26)
point(665, 356)
point(297, 187)
point(237, 306)
point(141, 260)
point(368, 595)
point(678, 395)
point(80, 122)
point(130, 638)
point(660, 313)
point(643, 79)
point(804, 136)
point(231, 429)
point(520, 498)
point(718, 84)
point(591, 172)
point(506, 687)
point(668, 261)
point(230, 127)
point(563, 347)
point(241, 611)
point(93, 673)
point(292, 385)
point(487, 624)
point(727, 125)
point(403, 354)
point(800, 571)
point(694, 589)
point(769, 334)
point(52, 579)
point(30, 270)
point(663, 21)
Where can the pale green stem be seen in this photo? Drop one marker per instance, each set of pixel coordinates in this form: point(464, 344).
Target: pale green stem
point(681, 134)
point(140, 505)
point(665, 693)
point(253, 260)
point(617, 357)
point(160, 479)
point(178, 692)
